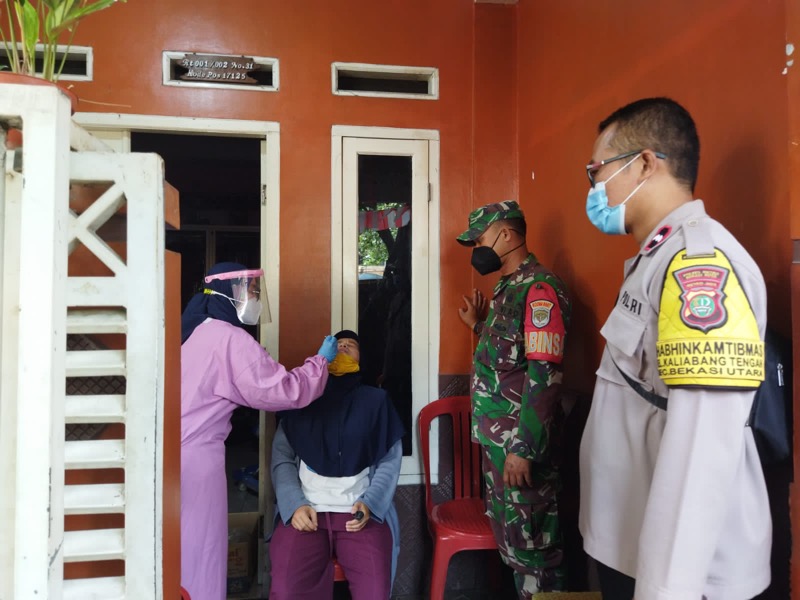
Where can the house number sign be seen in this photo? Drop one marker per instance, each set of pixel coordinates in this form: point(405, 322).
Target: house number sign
point(221, 69)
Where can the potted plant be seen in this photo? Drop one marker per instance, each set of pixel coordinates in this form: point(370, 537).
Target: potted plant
point(32, 22)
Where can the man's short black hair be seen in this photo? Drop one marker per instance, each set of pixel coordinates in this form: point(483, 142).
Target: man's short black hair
point(661, 125)
point(517, 225)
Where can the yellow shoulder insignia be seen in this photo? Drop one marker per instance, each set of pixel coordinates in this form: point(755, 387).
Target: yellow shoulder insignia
point(707, 332)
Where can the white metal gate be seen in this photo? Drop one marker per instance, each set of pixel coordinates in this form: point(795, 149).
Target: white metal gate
point(117, 289)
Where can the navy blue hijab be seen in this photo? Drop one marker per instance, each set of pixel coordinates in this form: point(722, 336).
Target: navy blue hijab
point(349, 428)
point(203, 306)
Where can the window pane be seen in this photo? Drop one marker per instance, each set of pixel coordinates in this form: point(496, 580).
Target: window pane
point(384, 279)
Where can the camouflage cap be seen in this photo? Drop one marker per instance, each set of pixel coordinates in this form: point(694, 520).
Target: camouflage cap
point(481, 218)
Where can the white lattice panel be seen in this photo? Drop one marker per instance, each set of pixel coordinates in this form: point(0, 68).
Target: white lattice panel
point(113, 242)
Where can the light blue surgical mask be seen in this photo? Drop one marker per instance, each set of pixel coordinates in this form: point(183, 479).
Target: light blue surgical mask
point(608, 219)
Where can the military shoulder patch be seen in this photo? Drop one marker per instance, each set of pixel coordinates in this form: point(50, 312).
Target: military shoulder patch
point(544, 326)
point(707, 332)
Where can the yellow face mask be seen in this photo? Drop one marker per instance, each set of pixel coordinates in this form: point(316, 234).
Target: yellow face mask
point(342, 364)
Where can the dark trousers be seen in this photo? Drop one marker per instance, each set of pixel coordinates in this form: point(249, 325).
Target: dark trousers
point(302, 567)
point(615, 585)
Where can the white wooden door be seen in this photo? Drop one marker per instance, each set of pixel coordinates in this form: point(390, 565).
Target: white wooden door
point(422, 184)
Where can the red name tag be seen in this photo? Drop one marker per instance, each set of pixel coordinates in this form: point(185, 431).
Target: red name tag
point(544, 326)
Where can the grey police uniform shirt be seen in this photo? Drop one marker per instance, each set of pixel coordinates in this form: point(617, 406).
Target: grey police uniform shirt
point(674, 498)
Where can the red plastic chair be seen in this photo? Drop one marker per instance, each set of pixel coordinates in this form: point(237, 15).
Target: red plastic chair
point(461, 523)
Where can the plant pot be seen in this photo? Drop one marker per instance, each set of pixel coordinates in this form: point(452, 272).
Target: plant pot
point(19, 78)
point(14, 137)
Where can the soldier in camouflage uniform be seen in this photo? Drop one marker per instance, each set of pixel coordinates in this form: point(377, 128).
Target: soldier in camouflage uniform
point(515, 383)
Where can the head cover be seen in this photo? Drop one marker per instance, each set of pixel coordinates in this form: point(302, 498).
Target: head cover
point(481, 218)
point(349, 428)
point(347, 334)
point(216, 305)
point(342, 363)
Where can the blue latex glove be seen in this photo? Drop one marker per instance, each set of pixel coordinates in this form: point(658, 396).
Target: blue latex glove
point(329, 348)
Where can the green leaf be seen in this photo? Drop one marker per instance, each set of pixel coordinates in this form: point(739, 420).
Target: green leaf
point(83, 11)
point(48, 18)
point(48, 26)
point(371, 249)
point(68, 14)
point(58, 16)
point(29, 28)
point(10, 43)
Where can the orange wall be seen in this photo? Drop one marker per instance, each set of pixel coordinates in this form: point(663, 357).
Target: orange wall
point(793, 93)
point(522, 89)
point(494, 175)
point(722, 59)
point(544, 74)
point(306, 36)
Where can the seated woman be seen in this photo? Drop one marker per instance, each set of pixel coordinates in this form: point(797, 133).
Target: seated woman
point(335, 466)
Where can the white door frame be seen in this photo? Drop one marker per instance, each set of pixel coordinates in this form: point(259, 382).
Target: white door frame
point(108, 126)
point(115, 130)
point(425, 294)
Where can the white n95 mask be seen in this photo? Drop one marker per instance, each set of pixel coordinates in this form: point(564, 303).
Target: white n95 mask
point(249, 311)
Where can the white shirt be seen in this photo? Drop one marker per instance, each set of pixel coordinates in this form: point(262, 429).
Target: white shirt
point(332, 494)
point(676, 498)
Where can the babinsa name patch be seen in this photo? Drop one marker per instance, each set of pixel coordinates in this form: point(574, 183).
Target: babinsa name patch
point(544, 326)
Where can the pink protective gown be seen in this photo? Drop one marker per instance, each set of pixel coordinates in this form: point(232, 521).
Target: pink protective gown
point(223, 367)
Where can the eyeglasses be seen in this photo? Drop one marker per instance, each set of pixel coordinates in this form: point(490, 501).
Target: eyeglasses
point(593, 168)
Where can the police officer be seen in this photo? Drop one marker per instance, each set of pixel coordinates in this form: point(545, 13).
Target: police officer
point(515, 382)
point(673, 499)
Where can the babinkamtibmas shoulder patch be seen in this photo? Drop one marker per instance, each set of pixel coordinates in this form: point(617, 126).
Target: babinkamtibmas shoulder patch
point(544, 326)
point(707, 332)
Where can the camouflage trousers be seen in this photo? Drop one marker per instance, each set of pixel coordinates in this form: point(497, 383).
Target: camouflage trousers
point(526, 528)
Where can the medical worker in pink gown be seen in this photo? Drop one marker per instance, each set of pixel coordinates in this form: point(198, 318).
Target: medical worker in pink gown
point(223, 367)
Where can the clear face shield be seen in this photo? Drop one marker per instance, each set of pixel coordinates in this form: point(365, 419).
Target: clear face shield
point(249, 294)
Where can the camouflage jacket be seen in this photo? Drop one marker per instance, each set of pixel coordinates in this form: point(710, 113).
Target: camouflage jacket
point(516, 371)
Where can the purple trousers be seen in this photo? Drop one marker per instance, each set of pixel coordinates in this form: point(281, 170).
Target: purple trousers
point(302, 566)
